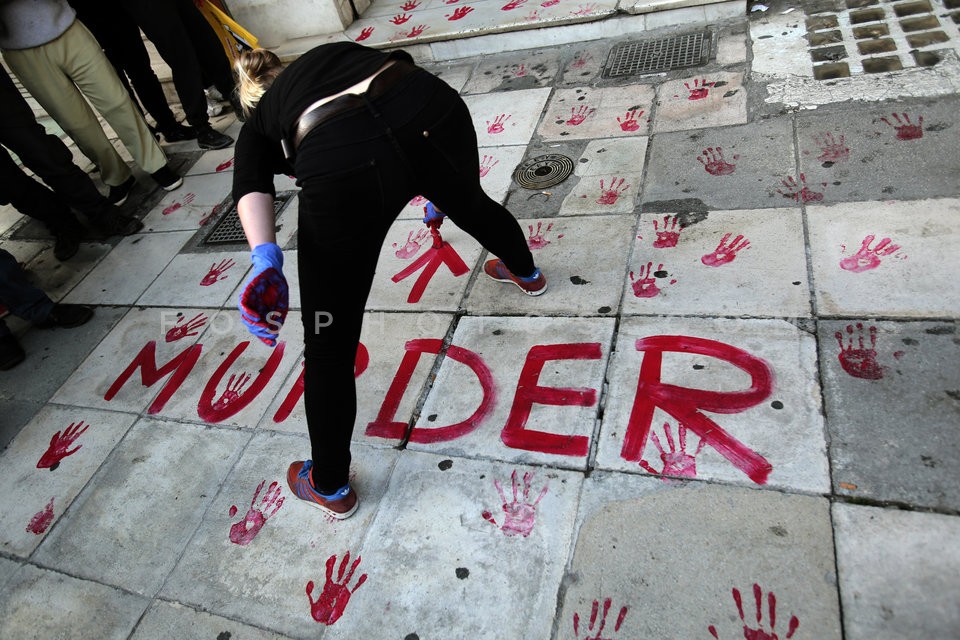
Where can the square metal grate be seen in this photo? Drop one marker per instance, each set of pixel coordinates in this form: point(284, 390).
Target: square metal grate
point(655, 56)
point(228, 229)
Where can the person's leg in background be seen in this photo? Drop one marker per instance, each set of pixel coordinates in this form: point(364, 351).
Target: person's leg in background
point(214, 63)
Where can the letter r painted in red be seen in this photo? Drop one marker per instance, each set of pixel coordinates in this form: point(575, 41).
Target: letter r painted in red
point(686, 405)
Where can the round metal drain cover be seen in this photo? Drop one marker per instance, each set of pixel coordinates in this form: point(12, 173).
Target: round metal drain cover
point(543, 171)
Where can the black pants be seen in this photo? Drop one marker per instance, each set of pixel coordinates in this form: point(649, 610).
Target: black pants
point(357, 172)
point(189, 45)
point(49, 159)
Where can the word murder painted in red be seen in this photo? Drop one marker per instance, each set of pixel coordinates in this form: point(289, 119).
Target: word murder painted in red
point(690, 407)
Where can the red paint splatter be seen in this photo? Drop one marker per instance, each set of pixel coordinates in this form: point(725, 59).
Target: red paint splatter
point(519, 514)
point(595, 616)
point(831, 149)
point(41, 520)
point(859, 361)
point(226, 164)
point(60, 446)
point(725, 251)
point(798, 191)
point(332, 602)
point(243, 532)
point(146, 361)
point(187, 199)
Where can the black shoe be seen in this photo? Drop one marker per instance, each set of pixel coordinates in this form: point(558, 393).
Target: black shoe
point(178, 133)
point(118, 194)
point(65, 245)
point(210, 138)
point(66, 316)
point(11, 353)
point(112, 222)
point(167, 178)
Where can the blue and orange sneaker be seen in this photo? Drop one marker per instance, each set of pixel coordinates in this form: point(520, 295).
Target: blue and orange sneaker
point(532, 285)
point(341, 504)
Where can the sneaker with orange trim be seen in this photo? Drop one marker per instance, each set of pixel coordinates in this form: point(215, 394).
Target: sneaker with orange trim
point(340, 505)
point(532, 285)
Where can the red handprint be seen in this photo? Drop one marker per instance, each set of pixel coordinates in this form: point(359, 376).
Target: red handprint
point(584, 10)
point(549, 3)
point(868, 258)
point(223, 166)
point(418, 201)
point(41, 520)
point(669, 235)
point(579, 114)
point(497, 125)
point(714, 163)
point(533, 16)
point(799, 191)
point(629, 121)
point(413, 245)
point(450, 1)
point(831, 149)
point(513, 4)
point(188, 328)
point(486, 164)
point(460, 12)
point(581, 61)
point(645, 286)
point(905, 129)
point(233, 391)
point(759, 633)
point(609, 195)
point(410, 5)
point(336, 594)
point(364, 34)
point(417, 30)
point(862, 361)
point(595, 610)
point(675, 462)
point(216, 271)
point(243, 532)
point(699, 90)
point(538, 240)
point(60, 446)
point(521, 71)
point(725, 252)
point(400, 18)
point(187, 199)
point(519, 517)
point(207, 218)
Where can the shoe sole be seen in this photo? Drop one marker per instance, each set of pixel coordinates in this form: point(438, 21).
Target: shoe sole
point(336, 515)
point(511, 281)
point(171, 187)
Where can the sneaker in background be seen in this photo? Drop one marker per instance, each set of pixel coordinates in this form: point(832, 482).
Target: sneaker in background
point(532, 286)
point(112, 222)
point(210, 138)
point(118, 194)
point(166, 178)
point(179, 133)
point(340, 505)
point(66, 316)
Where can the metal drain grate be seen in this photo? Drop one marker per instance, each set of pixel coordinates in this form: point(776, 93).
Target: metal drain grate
point(543, 171)
point(655, 56)
point(228, 230)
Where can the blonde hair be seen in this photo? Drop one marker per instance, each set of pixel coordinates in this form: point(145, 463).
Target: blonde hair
point(256, 71)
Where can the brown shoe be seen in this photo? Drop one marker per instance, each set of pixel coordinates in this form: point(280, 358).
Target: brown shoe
point(341, 505)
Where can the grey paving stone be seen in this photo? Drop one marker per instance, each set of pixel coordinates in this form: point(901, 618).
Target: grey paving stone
point(670, 559)
point(7, 570)
point(527, 69)
point(874, 154)
point(710, 99)
point(257, 572)
point(16, 413)
point(899, 573)
point(892, 393)
point(132, 523)
point(738, 167)
point(172, 620)
point(57, 278)
point(447, 549)
point(43, 604)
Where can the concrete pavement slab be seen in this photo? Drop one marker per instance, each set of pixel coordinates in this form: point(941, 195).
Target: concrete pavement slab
point(584, 64)
point(175, 620)
point(506, 118)
point(219, 161)
point(898, 573)
point(9, 217)
point(612, 156)
point(198, 279)
point(455, 540)
point(455, 75)
point(610, 194)
point(545, 202)
point(133, 521)
point(25, 250)
point(48, 464)
point(57, 278)
point(123, 275)
point(589, 112)
point(669, 379)
point(414, 275)
point(892, 395)
point(230, 566)
point(388, 381)
point(725, 263)
point(861, 253)
point(523, 410)
point(873, 154)
point(179, 216)
point(16, 413)
point(208, 190)
point(659, 560)
point(237, 376)
point(7, 569)
point(527, 69)
point(581, 281)
point(43, 604)
point(728, 168)
point(704, 100)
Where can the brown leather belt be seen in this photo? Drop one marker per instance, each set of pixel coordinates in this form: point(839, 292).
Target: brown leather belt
point(378, 86)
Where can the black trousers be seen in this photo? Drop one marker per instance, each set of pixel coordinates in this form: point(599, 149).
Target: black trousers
point(357, 172)
point(186, 42)
point(48, 158)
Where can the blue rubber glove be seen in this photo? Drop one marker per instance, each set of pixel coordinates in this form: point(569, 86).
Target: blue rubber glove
point(265, 299)
point(433, 217)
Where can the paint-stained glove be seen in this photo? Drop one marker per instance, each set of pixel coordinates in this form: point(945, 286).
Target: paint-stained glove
point(433, 217)
point(265, 299)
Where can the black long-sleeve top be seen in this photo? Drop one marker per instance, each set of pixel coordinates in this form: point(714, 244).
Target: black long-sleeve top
point(322, 71)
